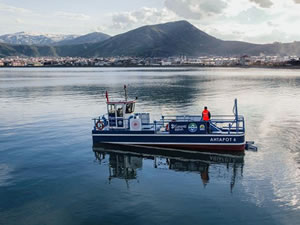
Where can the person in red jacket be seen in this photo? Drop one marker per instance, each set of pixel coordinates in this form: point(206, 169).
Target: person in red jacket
point(206, 114)
point(206, 117)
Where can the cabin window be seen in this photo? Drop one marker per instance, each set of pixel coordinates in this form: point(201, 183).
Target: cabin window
point(111, 109)
point(119, 111)
point(129, 107)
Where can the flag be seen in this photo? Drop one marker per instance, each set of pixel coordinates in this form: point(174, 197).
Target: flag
point(106, 94)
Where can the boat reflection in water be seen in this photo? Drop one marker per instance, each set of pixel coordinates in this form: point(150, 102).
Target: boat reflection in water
point(124, 162)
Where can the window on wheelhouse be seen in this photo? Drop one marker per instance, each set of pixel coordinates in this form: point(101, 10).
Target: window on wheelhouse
point(130, 108)
point(111, 110)
point(112, 115)
point(119, 110)
point(120, 115)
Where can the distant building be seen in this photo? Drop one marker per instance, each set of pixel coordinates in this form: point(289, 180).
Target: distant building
point(166, 63)
point(245, 60)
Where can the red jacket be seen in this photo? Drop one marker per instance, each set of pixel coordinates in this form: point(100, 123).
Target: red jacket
point(205, 115)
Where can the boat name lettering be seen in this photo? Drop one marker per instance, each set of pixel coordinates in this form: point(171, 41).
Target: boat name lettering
point(222, 139)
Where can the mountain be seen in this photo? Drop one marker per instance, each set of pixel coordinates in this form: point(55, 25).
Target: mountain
point(181, 38)
point(161, 40)
point(26, 50)
point(167, 39)
point(88, 38)
point(42, 50)
point(23, 38)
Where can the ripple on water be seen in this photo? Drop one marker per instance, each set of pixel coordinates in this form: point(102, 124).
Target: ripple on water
point(5, 175)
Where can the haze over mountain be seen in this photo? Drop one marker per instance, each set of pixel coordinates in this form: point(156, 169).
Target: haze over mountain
point(169, 39)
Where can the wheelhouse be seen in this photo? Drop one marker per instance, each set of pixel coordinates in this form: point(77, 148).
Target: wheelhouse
point(119, 114)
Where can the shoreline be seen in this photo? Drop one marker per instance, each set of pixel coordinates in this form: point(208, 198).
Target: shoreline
point(154, 66)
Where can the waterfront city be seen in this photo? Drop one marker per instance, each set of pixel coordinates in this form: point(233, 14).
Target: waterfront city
point(209, 61)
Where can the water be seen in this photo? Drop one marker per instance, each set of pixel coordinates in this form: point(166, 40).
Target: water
point(50, 175)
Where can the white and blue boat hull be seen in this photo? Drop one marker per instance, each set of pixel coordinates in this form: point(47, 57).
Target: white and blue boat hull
point(196, 142)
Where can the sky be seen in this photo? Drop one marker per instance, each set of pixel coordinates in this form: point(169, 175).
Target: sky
point(256, 21)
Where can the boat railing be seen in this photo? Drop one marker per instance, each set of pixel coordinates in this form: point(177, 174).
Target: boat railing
point(220, 123)
point(155, 125)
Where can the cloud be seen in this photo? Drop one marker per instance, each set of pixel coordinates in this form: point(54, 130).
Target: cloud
point(264, 3)
point(19, 21)
point(252, 15)
point(123, 20)
point(143, 16)
point(260, 21)
point(195, 9)
point(72, 16)
point(245, 20)
point(12, 9)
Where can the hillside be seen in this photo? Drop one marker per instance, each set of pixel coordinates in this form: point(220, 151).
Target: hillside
point(181, 38)
point(168, 39)
point(162, 40)
point(26, 50)
point(23, 38)
point(84, 39)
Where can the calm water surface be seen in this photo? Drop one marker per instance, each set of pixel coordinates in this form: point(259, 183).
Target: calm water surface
point(49, 173)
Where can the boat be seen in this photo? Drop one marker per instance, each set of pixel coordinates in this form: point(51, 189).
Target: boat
point(121, 125)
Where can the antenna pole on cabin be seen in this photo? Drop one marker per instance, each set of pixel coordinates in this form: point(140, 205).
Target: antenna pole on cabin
point(126, 96)
point(236, 115)
point(106, 95)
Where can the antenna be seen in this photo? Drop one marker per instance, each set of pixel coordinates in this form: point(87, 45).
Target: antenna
point(106, 95)
point(236, 115)
point(126, 95)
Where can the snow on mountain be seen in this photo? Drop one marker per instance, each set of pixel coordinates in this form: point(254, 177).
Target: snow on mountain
point(26, 38)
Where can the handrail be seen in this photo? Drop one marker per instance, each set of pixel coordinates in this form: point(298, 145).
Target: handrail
point(199, 115)
point(223, 123)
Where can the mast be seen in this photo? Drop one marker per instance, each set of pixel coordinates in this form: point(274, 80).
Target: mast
point(126, 95)
point(106, 95)
point(236, 115)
